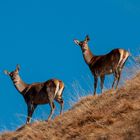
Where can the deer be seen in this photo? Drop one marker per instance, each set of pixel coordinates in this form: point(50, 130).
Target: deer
point(38, 93)
point(110, 63)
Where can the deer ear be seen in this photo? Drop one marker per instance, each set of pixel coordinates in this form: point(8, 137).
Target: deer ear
point(76, 41)
point(87, 38)
point(18, 67)
point(6, 72)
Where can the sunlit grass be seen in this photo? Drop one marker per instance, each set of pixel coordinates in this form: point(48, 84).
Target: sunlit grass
point(77, 90)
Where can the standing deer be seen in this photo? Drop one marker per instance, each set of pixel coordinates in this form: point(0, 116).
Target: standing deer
point(38, 93)
point(111, 63)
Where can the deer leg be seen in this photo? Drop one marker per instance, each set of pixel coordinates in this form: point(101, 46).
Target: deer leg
point(61, 102)
point(115, 78)
point(30, 109)
point(52, 110)
point(102, 78)
point(61, 110)
point(95, 84)
point(62, 105)
point(118, 79)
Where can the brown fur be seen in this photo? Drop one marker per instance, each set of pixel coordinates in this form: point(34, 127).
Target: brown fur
point(38, 93)
point(111, 63)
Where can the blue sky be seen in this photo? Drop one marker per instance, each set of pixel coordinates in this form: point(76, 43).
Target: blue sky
point(39, 35)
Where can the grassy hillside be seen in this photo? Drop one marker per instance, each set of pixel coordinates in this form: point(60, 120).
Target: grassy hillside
point(113, 115)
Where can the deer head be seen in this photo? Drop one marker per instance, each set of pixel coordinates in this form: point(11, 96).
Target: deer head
point(14, 73)
point(83, 44)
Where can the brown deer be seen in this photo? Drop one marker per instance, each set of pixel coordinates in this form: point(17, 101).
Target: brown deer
point(111, 63)
point(38, 93)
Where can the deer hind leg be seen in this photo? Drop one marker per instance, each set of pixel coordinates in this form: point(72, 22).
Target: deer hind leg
point(59, 98)
point(121, 64)
point(61, 102)
point(95, 84)
point(30, 110)
point(120, 67)
point(123, 60)
point(62, 106)
point(115, 79)
point(102, 78)
point(118, 77)
point(119, 70)
point(52, 110)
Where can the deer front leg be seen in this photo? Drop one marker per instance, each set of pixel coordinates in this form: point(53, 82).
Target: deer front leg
point(52, 110)
point(95, 84)
point(102, 78)
point(30, 111)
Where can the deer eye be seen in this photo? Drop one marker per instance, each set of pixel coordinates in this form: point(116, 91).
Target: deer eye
point(11, 74)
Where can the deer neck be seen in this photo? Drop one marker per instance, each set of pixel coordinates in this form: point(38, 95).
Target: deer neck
point(87, 54)
point(19, 84)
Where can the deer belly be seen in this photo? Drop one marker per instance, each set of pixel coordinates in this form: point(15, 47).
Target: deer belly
point(103, 71)
point(109, 70)
point(41, 98)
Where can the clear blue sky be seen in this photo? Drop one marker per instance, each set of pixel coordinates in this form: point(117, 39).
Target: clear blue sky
point(39, 35)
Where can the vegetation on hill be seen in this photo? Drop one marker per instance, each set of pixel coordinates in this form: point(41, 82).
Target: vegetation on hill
point(112, 115)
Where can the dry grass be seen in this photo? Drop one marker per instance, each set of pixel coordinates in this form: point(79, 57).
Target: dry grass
point(112, 115)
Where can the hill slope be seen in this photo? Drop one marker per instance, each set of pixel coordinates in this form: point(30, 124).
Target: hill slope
point(112, 115)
